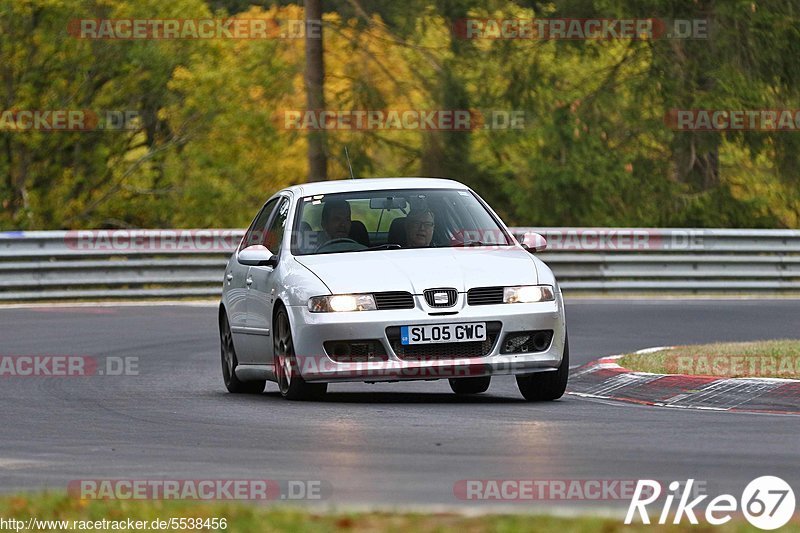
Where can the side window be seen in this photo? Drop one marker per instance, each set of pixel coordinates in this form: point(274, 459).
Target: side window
point(255, 234)
point(274, 236)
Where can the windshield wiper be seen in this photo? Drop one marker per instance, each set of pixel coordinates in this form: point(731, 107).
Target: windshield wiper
point(387, 246)
point(481, 243)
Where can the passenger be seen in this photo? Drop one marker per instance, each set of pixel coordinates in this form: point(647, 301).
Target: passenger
point(419, 226)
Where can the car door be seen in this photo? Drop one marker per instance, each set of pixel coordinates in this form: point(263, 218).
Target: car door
point(261, 295)
point(236, 286)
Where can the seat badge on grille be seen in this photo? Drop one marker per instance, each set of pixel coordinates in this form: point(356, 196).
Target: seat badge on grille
point(440, 298)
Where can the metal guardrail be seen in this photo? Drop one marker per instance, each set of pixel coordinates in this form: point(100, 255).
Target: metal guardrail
point(111, 264)
point(673, 260)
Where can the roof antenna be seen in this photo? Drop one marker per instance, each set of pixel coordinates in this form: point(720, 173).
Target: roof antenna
point(349, 164)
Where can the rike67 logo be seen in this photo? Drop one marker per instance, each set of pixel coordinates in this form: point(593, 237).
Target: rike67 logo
point(767, 503)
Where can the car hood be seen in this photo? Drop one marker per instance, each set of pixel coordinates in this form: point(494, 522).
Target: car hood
point(417, 270)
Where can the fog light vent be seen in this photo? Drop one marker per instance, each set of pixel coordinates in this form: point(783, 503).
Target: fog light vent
point(527, 341)
point(357, 351)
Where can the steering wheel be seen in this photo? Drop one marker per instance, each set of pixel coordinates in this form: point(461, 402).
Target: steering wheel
point(337, 241)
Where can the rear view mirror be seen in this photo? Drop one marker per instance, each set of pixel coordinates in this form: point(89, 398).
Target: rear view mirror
point(387, 203)
point(257, 255)
point(534, 242)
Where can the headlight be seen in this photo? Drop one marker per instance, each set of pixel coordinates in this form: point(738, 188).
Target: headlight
point(341, 302)
point(528, 294)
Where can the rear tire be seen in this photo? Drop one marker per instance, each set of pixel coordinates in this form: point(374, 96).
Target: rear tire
point(546, 386)
point(470, 385)
point(229, 363)
point(290, 382)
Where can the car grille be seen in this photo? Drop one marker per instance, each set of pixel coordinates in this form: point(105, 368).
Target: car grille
point(452, 296)
point(444, 350)
point(485, 296)
point(393, 300)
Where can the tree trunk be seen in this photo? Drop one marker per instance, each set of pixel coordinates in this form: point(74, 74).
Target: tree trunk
point(315, 97)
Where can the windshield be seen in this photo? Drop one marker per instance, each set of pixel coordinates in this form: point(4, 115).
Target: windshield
point(393, 220)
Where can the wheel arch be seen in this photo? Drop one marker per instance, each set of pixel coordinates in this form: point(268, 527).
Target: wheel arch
point(221, 312)
point(278, 306)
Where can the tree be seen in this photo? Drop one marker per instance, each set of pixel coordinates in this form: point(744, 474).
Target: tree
point(315, 89)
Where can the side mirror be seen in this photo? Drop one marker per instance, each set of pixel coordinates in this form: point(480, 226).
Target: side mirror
point(257, 255)
point(534, 242)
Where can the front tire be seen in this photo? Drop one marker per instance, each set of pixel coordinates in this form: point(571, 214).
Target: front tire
point(229, 363)
point(546, 386)
point(470, 385)
point(290, 382)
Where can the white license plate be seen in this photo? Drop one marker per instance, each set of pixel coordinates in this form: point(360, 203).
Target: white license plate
point(434, 333)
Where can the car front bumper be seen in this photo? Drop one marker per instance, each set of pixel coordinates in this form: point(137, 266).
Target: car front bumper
point(311, 330)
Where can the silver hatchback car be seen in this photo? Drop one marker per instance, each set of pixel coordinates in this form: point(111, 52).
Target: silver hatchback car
point(389, 280)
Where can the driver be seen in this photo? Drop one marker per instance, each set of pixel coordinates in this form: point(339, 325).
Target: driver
point(335, 221)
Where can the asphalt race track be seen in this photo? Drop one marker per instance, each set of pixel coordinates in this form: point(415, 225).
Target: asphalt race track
point(388, 444)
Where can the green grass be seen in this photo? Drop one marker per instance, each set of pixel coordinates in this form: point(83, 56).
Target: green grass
point(248, 517)
point(774, 358)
